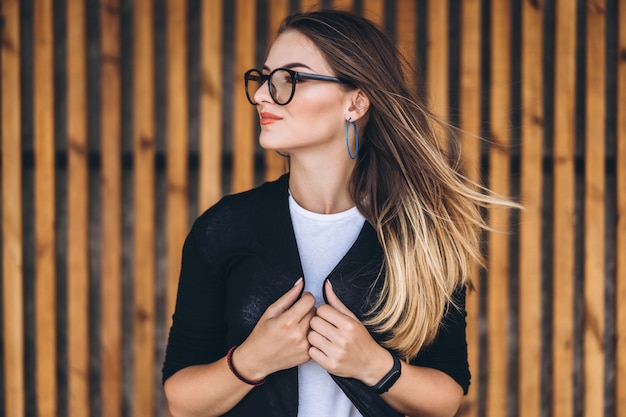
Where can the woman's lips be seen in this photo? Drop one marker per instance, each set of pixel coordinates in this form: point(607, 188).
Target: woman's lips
point(269, 118)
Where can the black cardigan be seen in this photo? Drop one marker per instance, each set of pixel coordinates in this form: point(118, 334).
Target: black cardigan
point(239, 257)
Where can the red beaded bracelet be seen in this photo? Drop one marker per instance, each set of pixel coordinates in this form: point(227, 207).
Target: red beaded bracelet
point(229, 360)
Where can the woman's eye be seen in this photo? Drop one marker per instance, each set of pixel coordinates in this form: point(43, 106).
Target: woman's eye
point(286, 79)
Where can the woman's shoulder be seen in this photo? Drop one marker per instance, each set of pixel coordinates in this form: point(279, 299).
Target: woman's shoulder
point(239, 210)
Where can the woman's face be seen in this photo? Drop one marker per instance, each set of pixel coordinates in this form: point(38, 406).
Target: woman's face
point(314, 120)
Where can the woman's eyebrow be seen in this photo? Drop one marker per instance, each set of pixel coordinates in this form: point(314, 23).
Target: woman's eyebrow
point(290, 66)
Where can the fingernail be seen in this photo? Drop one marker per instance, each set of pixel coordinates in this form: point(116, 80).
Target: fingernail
point(298, 281)
point(329, 283)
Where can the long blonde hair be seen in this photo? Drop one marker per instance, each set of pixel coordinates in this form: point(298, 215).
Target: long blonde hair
point(425, 211)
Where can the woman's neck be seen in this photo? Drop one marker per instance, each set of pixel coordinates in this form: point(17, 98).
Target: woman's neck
point(323, 189)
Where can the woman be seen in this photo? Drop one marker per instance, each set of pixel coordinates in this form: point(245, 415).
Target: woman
point(342, 284)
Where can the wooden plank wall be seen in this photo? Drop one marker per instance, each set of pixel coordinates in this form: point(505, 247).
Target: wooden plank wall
point(122, 120)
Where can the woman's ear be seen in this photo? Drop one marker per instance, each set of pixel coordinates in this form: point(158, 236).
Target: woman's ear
point(359, 106)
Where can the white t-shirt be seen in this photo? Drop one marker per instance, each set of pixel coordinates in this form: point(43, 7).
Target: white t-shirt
point(323, 240)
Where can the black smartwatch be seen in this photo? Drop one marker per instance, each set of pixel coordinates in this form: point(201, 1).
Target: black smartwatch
point(388, 380)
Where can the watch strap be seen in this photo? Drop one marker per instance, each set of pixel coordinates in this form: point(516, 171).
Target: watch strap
point(390, 378)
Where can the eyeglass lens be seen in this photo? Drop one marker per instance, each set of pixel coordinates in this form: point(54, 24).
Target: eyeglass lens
point(280, 85)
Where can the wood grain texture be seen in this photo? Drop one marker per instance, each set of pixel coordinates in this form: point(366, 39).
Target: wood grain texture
point(111, 197)
point(499, 178)
point(275, 165)
point(45, 211)
point(12, 233)
point(438, 66)
point(374, 10)
point(594, 208)
point(306, 5)
point(563, 204)
point(531, 183)
point(144, 207)
point(177, 144)
point(406, 30)
point(244, 140)
point(620, 252)
point(343, 4)
point(211, 112)
point(78, 206)
point(469, 123)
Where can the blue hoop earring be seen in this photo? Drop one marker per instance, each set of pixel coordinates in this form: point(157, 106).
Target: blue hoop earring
point(356, 132)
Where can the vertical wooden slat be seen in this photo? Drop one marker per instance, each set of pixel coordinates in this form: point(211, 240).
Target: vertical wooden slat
point(211, 105)
point(595, 210)
point(406, 30)
point(437, 71)
point(45, 213)
point(343, 4)
point(278, 10)
point(306, 5)
point(110, 136)
point(144, 210)
point(244, 119)
point(499, 174)
point(177, 148)
point(563, 203)
point(12, 254)
point(620, 253)
point(275, 165)
point(529, 338)
point(469, 122)
point(374, 10)
point(78, 224)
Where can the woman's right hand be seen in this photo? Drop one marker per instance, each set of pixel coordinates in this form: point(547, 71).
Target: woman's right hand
point(279, 340)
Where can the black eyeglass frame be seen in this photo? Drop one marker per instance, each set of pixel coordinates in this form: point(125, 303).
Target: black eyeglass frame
point(295, 77)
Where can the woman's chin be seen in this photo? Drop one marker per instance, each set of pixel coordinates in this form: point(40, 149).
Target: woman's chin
point(270, 145)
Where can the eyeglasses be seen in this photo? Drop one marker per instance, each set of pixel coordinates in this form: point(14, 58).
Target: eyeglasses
point(282, 83)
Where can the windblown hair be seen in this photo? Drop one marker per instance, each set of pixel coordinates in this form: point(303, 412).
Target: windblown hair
point(425, 211)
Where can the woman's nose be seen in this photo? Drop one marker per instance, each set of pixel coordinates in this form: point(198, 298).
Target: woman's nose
point(262, 94)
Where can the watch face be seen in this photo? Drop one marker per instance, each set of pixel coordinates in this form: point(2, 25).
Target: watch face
point(389, 381)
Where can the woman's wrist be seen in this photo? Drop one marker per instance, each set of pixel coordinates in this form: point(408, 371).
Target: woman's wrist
point(390, 378)
point(245, 366)
point(379, 368)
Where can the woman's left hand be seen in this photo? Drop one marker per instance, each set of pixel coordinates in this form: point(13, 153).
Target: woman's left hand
point(341, 344)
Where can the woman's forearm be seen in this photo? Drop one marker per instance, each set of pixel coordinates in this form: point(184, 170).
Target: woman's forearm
point(204, 390)
point(424, 392)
